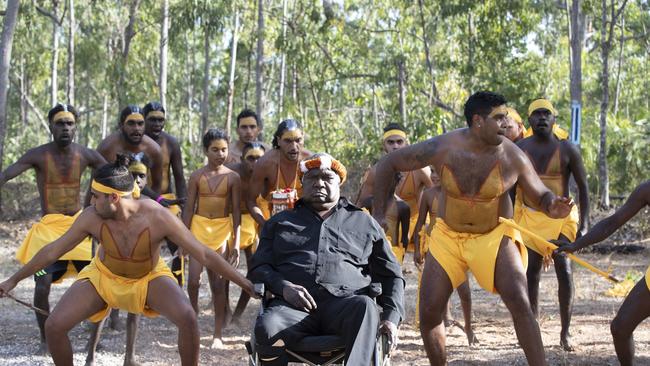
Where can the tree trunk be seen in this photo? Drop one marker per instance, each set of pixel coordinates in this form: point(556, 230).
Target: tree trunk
point(129, 33)
point(259, 65)
point(283, 60)
point(318, 113)
point(23, 94)
point(576, 43)
point(164, 39)
point(619, 65)
point(6, 41)
point(606, 35)
point(190, 61)
point(401, 79)
point(231, 78)
point(205, 102)
point(54, 81)
point(71, 32)
point(604, 84)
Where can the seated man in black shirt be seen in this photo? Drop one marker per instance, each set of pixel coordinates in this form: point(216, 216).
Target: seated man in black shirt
point(318, 260)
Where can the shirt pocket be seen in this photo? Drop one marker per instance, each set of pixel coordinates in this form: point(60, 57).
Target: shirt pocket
point(290, 236)
point(353, 243)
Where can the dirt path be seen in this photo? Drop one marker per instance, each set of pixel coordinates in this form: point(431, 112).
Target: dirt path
point(156, 344)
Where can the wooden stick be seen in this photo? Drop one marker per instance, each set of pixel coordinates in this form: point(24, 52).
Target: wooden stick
point(38, 310)
point(552, 246)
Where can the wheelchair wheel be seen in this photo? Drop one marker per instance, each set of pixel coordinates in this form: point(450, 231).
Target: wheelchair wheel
point(381, 358)
point(253, 359)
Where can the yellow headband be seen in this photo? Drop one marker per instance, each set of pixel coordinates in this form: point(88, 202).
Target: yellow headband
point(515, 116)
point(244, 121)
point(63, 114)
point(158, 114)
point(389, 133)
point(292, 134)
point(255, 151)
point(323, 162)
point(502, 109)
point(138, 167)
point(133, 117)
point(108, 190)
point(541, 104)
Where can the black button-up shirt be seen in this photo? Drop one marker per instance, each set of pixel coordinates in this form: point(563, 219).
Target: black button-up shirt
point(343, 253)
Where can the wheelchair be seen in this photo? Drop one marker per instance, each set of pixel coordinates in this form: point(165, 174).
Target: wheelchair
point(320, 350)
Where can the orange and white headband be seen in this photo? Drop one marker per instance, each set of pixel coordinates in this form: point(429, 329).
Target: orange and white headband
point(323, 162)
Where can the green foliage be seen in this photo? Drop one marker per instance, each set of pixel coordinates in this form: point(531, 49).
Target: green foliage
point(341, 70)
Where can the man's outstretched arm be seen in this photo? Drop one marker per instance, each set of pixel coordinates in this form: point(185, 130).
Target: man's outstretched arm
point(409, 158)
point(606, 227)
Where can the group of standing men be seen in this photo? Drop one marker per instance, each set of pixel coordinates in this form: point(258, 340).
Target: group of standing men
point(443, 197)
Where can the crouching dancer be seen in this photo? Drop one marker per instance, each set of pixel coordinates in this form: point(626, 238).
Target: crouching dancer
point(127, 272)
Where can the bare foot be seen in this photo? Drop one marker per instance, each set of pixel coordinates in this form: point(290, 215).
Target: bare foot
point(217, 343)
point(565, 342)
point(42, 349)
point(471, 337)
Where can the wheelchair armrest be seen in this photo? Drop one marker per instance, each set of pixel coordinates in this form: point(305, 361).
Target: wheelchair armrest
point(259, 289)
point(374, 290)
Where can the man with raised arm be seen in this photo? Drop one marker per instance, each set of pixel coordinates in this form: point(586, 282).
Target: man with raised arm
point(477, 166)
point(127, 272)
point(58, 165)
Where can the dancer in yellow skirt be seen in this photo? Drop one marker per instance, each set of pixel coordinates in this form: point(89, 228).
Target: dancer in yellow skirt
point(555, 161)
point(127, 272)
point(421, 238)
point(477, 166)
point(138, 166)
point(58, 165)
point(251, 153)
point(636, 306)
point(213, 214)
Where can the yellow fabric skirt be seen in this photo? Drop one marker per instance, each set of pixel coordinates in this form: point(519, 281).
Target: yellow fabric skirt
point(128, 294)
point(213, 233)
point(47, 230)
point(174, 209)
point(457, 252)
point(546, 227)
point(647, 278)
point(247, 232)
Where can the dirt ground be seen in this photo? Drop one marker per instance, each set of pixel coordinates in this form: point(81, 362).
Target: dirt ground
point(156, 344)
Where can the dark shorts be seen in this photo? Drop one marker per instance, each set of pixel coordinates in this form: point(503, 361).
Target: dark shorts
point(58, 269)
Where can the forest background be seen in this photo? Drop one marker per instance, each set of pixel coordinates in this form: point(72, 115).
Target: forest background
point(343, 68)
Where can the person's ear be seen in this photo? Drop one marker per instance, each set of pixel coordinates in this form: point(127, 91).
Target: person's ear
point(477, 120)
point(114, 198)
